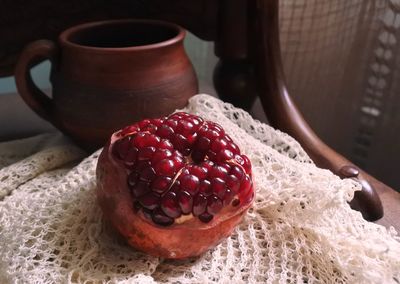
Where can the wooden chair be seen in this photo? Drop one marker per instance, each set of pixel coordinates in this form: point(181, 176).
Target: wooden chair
point(250, 63)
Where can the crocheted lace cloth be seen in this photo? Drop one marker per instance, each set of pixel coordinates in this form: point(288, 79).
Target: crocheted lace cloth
point(300, 228)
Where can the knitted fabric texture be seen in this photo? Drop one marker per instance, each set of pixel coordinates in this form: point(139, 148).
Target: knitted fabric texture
point(299, 230)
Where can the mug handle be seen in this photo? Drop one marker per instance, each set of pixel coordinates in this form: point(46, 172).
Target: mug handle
point(33, 54)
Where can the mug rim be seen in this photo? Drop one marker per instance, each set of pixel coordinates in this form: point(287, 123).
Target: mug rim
point(64, 36)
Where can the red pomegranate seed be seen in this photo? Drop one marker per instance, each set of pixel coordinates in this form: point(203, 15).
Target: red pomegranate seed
point(185, 127)
point(224, 155)
point(211, 155)
point(161, 184)
point(132, 179)
point(233, 183)
point(140, 189)
point(226, 166)
point(148, 174)
point(131, 156)
point(217, 171)
point(218, 145)
point(143, 139)
point(229, 195)
point(139, 166)
point(237, 172)
point(205, 187)
point(172, 123)
point(202, 144)
point(199, 204)
point(159, 155)
point(208, 165)
point(212, 134)
point(147, 213)
point(244, 161)
point(157, 121)
point(178, 161)
point(190, 183)
point(170, 206)
point(185, 201)
point(165, 131)
point(121, 147)
point(180, 142)
point(233, 147)
point(165, 167)
point(218, 187)
point(200, 172)
point(165, 144)
point(150, 128)
point(144, 123)
point(146, 153)
point(245, 186)
point(176, 187)
point(247, 164)
point(205, 217)
point(150, 200)
point(161, 219)
point(129, 130)
point(214, 204)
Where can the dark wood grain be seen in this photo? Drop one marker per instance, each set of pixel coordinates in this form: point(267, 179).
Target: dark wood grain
point(22, 22)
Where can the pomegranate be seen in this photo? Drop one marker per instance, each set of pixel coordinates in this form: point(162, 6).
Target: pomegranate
point(175, 186)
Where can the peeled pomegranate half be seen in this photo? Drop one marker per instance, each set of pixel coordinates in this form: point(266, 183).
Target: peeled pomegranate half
point(174, 187)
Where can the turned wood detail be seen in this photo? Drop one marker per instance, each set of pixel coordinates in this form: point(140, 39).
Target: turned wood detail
point(283, 113)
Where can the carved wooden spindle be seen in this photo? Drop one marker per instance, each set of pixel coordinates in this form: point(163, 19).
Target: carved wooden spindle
point(234, 74)
point(264, 43)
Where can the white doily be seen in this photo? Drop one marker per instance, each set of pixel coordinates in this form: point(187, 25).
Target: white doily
point(300, 229)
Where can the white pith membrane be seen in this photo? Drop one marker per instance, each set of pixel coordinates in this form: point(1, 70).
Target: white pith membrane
point(300, 228)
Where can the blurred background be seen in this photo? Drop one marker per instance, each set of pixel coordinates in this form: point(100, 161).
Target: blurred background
point(342, 65)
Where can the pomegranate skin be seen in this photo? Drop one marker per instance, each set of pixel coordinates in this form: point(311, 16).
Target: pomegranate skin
point(178, 241)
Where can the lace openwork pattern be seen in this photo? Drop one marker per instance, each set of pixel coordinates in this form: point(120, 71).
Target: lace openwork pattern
point(299, 230)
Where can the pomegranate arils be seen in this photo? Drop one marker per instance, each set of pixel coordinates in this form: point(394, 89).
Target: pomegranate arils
point(205, 187)
point(121, 147)
point(140, 189)
point(131, 156)
point(199, 204)
point(160, 218)
point(160, 154)
point(161, 184)
point(237, 172)
point(144, 139)
point(229, 195)
point(165, 144)
point(148, 174)
point(218, 186)
point(217, 171)
point(144, 123)
point(185, 127)
point(170, 206)
point(182, 165)
point(200, 172)
point(224, 155)
point(233, 183)
point(218, 145)
point(146, 153)
point(205, 217)
point(165, 131)
point(133, 178)
point(214, 204)
point(150, 200)
point(165, 167)
point(190, 183)
point(185, 201)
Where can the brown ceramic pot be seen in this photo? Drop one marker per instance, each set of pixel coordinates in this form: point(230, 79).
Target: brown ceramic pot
point(108, 74)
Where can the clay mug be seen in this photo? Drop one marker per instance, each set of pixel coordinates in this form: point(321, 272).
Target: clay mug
point(108, 74)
